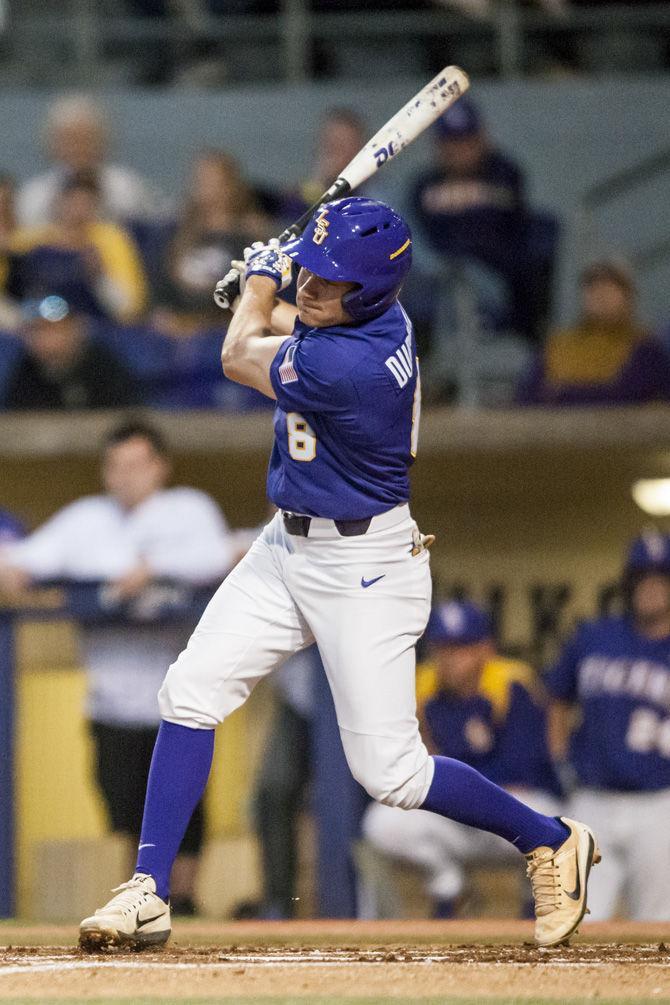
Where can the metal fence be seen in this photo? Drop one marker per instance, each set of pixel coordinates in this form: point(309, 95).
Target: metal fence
point(49, 43)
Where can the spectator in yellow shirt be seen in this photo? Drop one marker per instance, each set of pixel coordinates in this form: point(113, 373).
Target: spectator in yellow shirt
point(90, 261)
point(10, 314)
point(481, 708)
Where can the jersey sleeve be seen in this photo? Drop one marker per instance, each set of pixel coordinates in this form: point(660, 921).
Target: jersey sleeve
point(561, 681)
point(311, 375)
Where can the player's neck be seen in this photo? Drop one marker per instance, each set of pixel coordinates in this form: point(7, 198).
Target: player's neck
point(130, 505)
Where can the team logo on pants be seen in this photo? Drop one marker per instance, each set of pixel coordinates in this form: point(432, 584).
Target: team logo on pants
point(321, 228)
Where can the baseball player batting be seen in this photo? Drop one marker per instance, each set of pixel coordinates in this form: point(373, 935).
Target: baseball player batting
point(342, 563)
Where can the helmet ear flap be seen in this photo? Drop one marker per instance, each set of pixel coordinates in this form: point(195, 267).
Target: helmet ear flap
point(364, 308)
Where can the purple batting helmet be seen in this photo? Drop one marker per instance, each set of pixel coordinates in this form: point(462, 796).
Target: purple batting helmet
point(356, 240)
point(458, 623)
point(648, 554)
point(460, 121)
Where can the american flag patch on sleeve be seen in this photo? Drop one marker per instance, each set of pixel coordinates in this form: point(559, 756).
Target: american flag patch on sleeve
point(287, 371)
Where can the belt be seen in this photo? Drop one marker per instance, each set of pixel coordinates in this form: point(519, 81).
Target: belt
point(299, 525)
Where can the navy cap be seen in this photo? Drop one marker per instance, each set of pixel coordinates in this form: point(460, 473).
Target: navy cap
point(52, 308)
point(649, 553)
point(458, 623)
point(461, 120)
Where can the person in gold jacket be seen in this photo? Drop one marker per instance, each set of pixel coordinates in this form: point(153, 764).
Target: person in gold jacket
point(608, 357)
point(91, 261)
point(479, 707)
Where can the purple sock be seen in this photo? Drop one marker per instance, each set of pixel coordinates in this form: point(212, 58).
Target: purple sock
point(179, 770)
point(461, 793)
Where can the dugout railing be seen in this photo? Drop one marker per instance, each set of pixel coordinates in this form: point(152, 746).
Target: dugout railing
point(305, 40)
point(606, 193)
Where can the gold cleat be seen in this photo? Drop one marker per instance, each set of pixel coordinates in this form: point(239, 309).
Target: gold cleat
point(559, 881)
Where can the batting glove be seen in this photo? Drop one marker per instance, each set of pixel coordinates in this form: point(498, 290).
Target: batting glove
point(269, 260)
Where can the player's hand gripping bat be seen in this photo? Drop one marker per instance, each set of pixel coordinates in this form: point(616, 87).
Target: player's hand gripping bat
point(408, 123)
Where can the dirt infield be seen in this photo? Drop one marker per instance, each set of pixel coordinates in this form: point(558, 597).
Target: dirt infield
point(342, 962)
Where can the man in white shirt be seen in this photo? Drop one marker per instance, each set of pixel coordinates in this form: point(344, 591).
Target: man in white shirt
point(146, 546)
point(77, 139)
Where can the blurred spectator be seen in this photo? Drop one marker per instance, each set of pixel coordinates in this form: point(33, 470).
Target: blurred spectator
point(61, 366)
point(481, 708)
point(132, 542)
point(7, 213)
point(471, 207)
point(11, 528)
point(326, 5)
point(77, 139)
point(614, 673)
point(92, 262)
point(341, 135)
point(486, 10)
point(608, 357)
point(220, 217)
point(9, 311)
point(189, 54)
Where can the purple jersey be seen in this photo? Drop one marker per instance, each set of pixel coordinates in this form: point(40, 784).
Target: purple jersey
point(510, 750)
point(621, 681)
point(347, 417)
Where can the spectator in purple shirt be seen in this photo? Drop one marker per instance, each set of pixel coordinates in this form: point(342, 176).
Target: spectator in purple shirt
point(342, 133)
point(471, 202)
point(495, 253)
point(608, 357)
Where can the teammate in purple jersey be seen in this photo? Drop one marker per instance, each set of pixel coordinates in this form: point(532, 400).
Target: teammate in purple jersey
point(615, 672)
point(342, 563)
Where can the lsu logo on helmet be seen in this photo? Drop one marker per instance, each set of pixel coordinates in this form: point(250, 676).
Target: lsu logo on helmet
point(321, 227)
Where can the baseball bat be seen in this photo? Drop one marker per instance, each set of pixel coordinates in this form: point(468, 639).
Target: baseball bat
point(401, 129)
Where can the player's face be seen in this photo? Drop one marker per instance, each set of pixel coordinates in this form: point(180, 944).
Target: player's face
point(79, 144)
point(132, 471)
point(606, 302)
point(339, 143)
point(56, 343)
point(651, 599)
point(462, 155)
point(459, 666)
point(320, 301)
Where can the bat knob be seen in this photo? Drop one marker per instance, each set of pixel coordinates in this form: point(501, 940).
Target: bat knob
point(225, 292)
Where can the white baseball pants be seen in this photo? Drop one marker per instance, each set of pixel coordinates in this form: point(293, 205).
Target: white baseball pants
point(443, 847)
point(633, 831)
point(289, 591)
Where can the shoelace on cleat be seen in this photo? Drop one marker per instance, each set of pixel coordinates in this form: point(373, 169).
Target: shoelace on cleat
point(126, 899)
point(544, 880)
